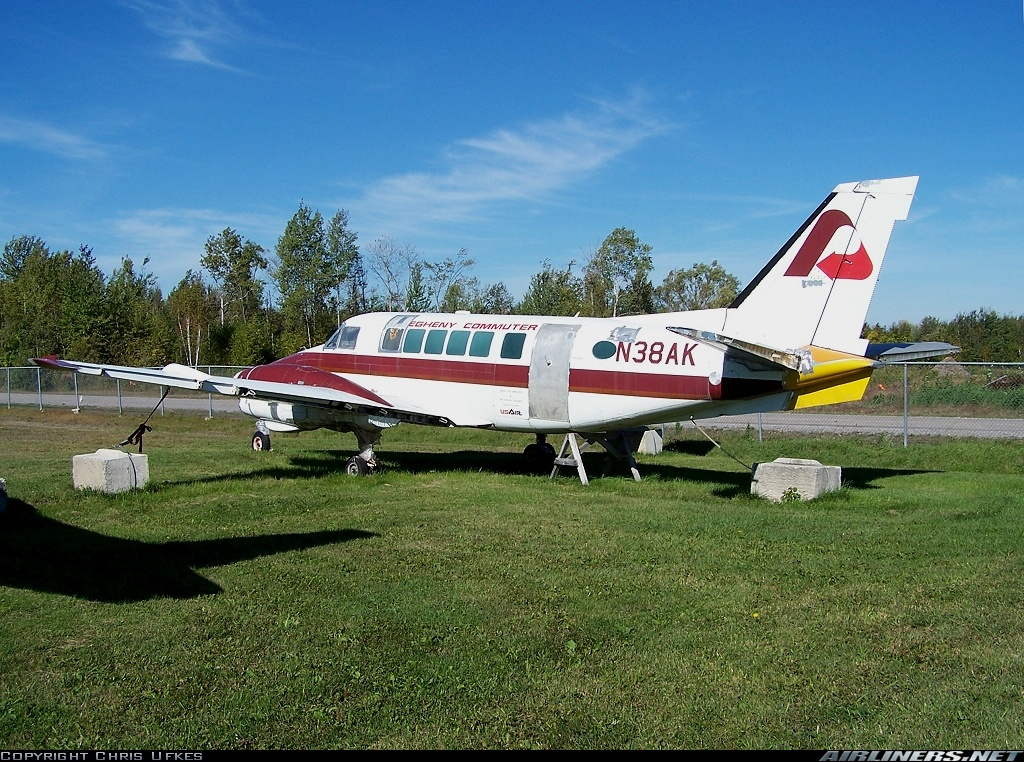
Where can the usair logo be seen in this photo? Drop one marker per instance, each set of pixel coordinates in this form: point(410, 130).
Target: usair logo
point(853, 266)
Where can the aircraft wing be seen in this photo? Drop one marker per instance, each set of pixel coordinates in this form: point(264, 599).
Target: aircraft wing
point(280, 382)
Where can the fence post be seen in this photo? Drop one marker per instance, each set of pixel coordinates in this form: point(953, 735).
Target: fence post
point(906, 405)
point(78, 404)
point(760, 431)
point(39, 386)
point(120, 410)
point(8, 388)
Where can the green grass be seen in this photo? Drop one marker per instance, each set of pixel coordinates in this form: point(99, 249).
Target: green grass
point(265, 600)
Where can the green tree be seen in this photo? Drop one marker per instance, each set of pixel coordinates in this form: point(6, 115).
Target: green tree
point(552, 292)
point(416, 297)
point(448, 282)
point(616, 279)
point(234, 265)
point(469, 294)
point(305, 279)
point(700, 287)
point(135, 329)
point(356, 300)
point(494, 299)
point(17, 252)
point(50, 303)
point(341, 257)
point(193, 307)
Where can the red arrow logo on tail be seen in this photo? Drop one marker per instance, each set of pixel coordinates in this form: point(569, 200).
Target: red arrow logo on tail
point(855, 266)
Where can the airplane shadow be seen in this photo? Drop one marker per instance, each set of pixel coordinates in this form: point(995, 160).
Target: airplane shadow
point(43, 554)
point(689, 446)
point(461, 460)
point(327, 463)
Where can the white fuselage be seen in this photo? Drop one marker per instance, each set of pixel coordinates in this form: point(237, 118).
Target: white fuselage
point(535, 374)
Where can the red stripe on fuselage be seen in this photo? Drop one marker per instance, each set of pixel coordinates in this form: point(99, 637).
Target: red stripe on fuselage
point(661, 385)
point(619, 382)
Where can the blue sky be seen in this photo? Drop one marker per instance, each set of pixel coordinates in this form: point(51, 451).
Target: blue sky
point(521, 131)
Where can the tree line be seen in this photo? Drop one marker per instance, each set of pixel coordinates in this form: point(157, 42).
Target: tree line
point(59, 302)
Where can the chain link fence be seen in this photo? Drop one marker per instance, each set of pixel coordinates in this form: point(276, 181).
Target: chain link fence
point(47, 388)
point(952, 399)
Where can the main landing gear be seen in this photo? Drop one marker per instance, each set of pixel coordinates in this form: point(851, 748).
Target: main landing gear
point(540, 455)
point(358, 465)
point(366, 461)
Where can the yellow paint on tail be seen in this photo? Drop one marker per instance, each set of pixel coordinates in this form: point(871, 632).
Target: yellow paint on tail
point(835, 377)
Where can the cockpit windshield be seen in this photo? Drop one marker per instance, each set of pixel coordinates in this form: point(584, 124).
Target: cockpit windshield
point(343, 338)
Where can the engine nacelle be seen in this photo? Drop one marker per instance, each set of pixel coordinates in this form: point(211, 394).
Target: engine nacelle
point(289, 416)
point(282, 416)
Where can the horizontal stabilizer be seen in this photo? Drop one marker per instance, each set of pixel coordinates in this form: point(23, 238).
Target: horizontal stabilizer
point(798, 360)
point(909, 351)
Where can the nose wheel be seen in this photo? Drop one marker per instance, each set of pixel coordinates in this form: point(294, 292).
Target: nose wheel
point(260, 441)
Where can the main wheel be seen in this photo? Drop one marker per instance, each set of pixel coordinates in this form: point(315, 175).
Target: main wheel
point(539, 457)
point(260, 441)
point(356, 466)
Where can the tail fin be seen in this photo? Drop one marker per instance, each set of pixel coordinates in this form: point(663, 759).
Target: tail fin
point(817, 289)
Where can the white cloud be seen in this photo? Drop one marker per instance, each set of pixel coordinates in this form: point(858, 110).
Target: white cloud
point(192, 30)
point(528, 163)
point(46, 139)
point(174, 240)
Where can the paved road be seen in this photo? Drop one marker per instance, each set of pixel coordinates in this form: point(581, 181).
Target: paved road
point(812, 423)
point(86, 401)
point(937, 426)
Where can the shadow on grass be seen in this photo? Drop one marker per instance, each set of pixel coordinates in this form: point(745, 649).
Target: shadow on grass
point(43, 554)
point(328, 463)
point(865, 478)
point(689, 446)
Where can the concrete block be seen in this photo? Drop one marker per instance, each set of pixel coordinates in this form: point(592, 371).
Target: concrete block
point(651, 443)
point(110, 471)
point(792, 478)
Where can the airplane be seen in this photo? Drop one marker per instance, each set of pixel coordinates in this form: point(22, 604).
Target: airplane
point(790, 340)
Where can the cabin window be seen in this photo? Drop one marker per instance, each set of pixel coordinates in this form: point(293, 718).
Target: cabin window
point(457, 343)
point(391, 339)
point(512, 346)
point(343, 338)
point(435, 342)
point(480, 346)
point(413, 340)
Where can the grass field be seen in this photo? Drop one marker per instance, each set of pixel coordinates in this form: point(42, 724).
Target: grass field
point(265, 600)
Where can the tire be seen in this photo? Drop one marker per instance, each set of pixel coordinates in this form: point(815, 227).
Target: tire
point(356, 466)
point(260, 441)
point(539, 457)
